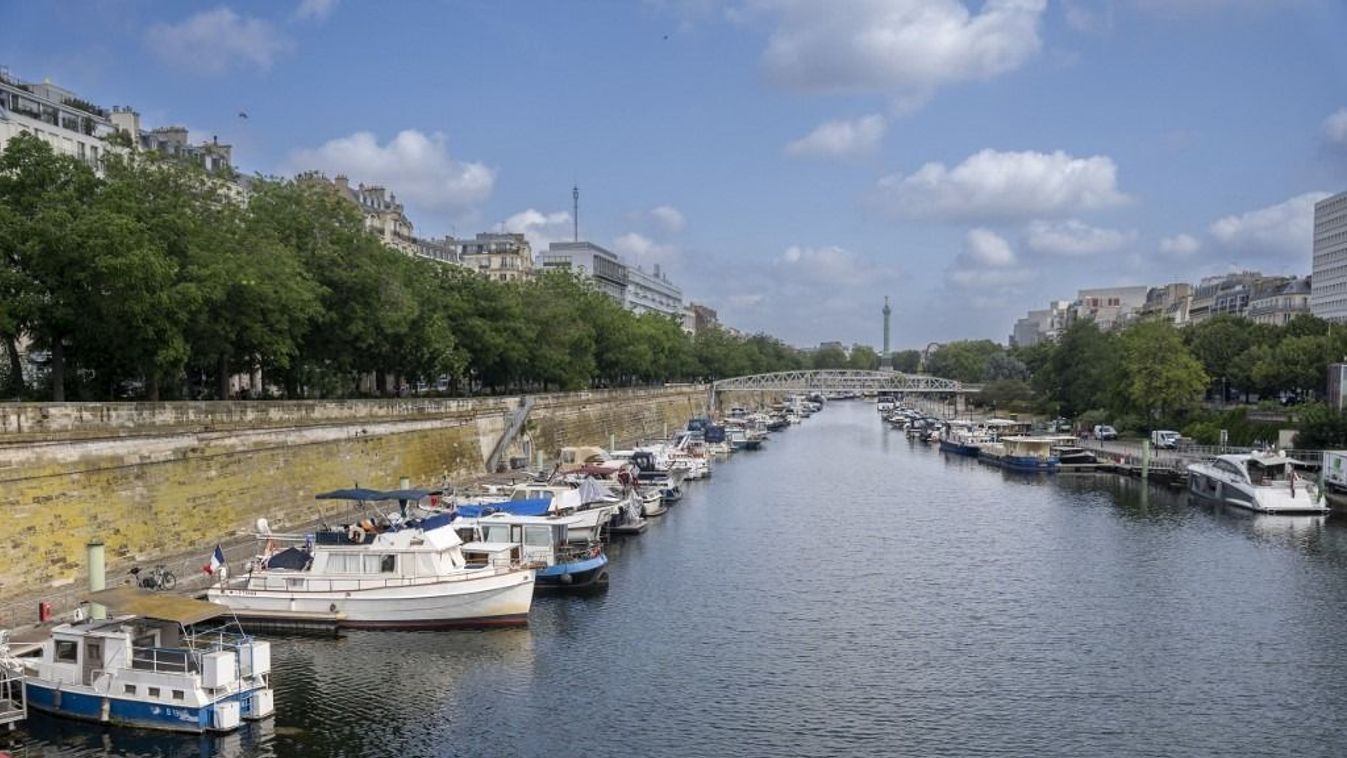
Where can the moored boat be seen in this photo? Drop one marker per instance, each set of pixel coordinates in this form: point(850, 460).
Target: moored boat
point(159, 662)
point(390, 570)
point(1262, 482)
point(564, 561)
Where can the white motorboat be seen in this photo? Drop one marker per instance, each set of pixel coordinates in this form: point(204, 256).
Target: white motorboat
point(1262, 482)
point(564, 562)
point(161, 662)
point(387, 571)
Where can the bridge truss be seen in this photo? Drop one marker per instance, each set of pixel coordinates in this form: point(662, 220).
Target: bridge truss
point(844, 380)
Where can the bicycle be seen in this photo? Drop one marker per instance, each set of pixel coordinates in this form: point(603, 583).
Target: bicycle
point(157, 578)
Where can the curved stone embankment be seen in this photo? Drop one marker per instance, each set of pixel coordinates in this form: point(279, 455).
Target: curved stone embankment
point(169, 479)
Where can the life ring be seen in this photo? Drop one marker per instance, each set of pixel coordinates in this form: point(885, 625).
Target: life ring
point(355, 534)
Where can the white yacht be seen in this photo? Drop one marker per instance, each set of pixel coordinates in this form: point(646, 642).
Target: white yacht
point(161, 662)
point(387, 571)
point(1262, 482)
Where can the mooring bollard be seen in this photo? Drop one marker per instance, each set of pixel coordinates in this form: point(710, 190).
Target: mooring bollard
point(97, 577)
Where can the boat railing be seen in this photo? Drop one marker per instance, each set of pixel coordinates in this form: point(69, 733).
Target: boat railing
point(285, 580)
point(163, 660)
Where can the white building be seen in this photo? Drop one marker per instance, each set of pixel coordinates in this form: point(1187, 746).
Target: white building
point(503, 257)
point(1278, 304)
point(1041, 325)
point(1328, 290)
point(637, 290)
point(70, 125)
point(1109, 306)
point(648, 293)
point(76, 127)
point(602, 266)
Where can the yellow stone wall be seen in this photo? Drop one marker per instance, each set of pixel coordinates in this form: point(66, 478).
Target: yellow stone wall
point(176, 492)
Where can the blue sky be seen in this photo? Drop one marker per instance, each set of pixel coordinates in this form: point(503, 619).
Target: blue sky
point(789, 162)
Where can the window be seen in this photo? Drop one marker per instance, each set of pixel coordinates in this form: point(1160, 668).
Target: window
point(179, 695)
point(496, 533)
point(67, 651)
point(129, 689)
point(154, 692)
point(538, 536)
point(388, 564)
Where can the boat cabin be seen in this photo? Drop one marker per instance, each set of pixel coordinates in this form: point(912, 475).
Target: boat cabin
point(573, 458)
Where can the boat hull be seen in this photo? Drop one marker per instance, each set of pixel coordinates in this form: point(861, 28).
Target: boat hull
point(497, 600)
point(1217, 490)
point(1029, 463)
point(577, 576)
point(220, 716)
point(958, 448)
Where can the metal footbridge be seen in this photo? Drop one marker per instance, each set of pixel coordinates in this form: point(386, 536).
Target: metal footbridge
point(844, 380)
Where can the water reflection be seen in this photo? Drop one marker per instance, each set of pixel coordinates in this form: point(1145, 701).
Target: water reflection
point(843, 593)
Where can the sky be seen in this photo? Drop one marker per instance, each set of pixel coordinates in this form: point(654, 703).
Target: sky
point(787, 162)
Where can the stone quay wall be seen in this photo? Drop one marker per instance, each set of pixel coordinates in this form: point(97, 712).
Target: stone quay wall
point(155, 480)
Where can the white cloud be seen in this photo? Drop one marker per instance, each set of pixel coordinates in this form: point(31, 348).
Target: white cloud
point(987, 262)
point(989, 248)
point(1073, 237)
point(317, 10)
point(642, 251)
point(1335, 126)
point(906, 48)
point(841, 139)
point(669, 218)
point(828, 266)
point(1009, 185)
point(1282, 230)
point(540, 229)
point(415, 166)
point(216, 41)
point(1180, 245)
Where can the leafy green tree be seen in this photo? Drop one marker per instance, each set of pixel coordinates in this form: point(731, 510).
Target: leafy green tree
point(1161, 375)
point(1214, 342)
point(1084, 371)
point(863, 358)
point(829, 357)
point(965, 360)
point(907, 361)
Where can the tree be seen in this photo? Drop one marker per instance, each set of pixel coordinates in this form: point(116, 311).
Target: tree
point(907, 361)
point(1161, 375)
point(1084, 370)
point(1003, 367)
point(1214, 341)
point(829, 357)
point(863, 358)
point(965, 360)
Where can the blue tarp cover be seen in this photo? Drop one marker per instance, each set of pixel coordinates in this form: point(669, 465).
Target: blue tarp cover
point(535, 507)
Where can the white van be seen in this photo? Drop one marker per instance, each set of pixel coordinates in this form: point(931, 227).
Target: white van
point(1165, 439)
point(1105, 432)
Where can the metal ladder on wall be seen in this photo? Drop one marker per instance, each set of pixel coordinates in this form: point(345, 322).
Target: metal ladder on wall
point(512, 431)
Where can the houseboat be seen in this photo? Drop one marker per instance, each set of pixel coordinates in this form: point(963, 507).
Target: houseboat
point(1022, 453)
point(158, 662)
point(1261, 482)
point(564, 563)
point(389, 570)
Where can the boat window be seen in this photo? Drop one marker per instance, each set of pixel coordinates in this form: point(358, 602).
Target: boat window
point(371, 564)
point(179, 695)
point(388, 564)
point(498, 533)
point(538, 536)
point(154, 692)
point(66, 651)
point(129, 689)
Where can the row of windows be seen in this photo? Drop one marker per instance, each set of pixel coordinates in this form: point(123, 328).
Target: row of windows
point(360, 563)
point(130, 689)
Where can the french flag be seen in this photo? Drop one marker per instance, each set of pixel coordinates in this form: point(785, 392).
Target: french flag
point(217, 560)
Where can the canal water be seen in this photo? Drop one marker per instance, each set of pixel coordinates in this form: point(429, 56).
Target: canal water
point(846, 592)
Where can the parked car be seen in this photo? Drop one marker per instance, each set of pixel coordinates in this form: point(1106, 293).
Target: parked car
point(1105, 432)
point(1165, 439)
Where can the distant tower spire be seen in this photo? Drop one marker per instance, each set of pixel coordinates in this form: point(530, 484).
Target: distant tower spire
point(575, 215)
point(885, 362)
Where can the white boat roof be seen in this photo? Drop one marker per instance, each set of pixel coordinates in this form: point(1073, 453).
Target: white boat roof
point(488, 547)
point(1262, 459)
point(511, 518)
